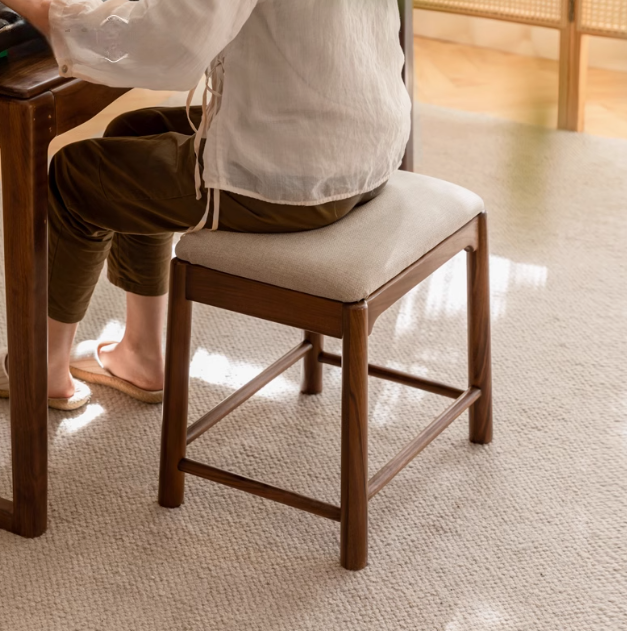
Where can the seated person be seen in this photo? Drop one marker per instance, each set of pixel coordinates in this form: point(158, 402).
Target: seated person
point(304, 117)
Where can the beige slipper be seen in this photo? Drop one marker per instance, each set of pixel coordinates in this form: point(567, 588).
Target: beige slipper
point(81, 395)
point(85, 364)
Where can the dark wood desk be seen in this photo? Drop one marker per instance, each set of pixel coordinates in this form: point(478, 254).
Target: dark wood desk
point(36, 104)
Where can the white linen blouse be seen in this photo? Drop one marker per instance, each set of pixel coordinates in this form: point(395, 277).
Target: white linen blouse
point(307, 100)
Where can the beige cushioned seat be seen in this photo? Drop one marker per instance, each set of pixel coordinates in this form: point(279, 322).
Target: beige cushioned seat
point(350, 259)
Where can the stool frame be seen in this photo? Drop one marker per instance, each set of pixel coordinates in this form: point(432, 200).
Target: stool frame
point(319, 317)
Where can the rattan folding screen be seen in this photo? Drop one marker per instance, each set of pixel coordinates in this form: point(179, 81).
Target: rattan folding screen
point(576, 19)
point(604, 17)
point(542, 12)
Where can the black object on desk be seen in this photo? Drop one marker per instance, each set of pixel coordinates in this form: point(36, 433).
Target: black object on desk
point(14, 30)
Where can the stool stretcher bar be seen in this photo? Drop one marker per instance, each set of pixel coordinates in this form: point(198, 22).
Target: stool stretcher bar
point(260, 488)
point(398, 376)
point(410, 451)
point(246, 392)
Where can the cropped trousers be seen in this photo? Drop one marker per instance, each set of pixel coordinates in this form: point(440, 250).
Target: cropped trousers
point(120, 198)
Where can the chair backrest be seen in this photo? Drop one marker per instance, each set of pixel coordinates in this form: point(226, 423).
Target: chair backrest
point(406, 8)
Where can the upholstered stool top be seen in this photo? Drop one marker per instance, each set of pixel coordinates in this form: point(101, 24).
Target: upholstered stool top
point(352, 258)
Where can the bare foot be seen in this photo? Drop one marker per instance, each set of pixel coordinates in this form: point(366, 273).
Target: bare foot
point(141, 368)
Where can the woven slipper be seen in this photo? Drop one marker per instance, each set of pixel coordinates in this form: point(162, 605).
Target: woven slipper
point(85, 364)
point(81, 395)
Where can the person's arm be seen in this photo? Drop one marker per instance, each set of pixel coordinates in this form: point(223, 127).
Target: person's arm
point(35, 12)
point(155, 44)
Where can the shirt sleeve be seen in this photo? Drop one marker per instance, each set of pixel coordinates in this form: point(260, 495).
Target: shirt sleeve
point(154, 44)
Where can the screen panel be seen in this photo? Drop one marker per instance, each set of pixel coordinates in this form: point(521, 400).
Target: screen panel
point(604, 17)
point(543, 12)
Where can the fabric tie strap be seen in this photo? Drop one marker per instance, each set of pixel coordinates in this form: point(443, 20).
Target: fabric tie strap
point(214, 85)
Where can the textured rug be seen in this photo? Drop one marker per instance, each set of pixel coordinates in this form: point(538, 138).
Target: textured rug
point(527, 533)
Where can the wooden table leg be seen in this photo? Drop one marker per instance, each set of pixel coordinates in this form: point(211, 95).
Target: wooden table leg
point(406, 8)
point(26, 129)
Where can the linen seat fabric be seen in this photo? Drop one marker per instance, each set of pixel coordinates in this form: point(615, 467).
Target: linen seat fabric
point(350, 259)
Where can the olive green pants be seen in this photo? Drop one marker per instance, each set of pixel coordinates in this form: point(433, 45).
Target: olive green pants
point(119, 198)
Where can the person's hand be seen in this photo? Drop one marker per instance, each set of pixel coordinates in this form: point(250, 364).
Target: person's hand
point(34, 11)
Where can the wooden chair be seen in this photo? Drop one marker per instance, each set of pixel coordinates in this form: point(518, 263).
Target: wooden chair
point(335, 281)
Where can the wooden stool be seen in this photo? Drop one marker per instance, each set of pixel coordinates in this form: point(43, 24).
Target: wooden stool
point(335, 281)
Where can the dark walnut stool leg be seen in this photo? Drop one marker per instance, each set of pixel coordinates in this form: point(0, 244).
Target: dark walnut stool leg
point(311, 382)
point(354, 506)
point(479, 354)
point(174, 432)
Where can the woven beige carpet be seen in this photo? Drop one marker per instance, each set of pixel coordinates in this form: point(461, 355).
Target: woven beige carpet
point(529, 533)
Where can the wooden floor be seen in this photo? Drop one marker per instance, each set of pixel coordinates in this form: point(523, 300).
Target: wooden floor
point(513, 86)
point(466, 78)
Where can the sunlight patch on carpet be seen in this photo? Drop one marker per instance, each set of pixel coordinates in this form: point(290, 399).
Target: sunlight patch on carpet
point(218, 369)
point(71, 425)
